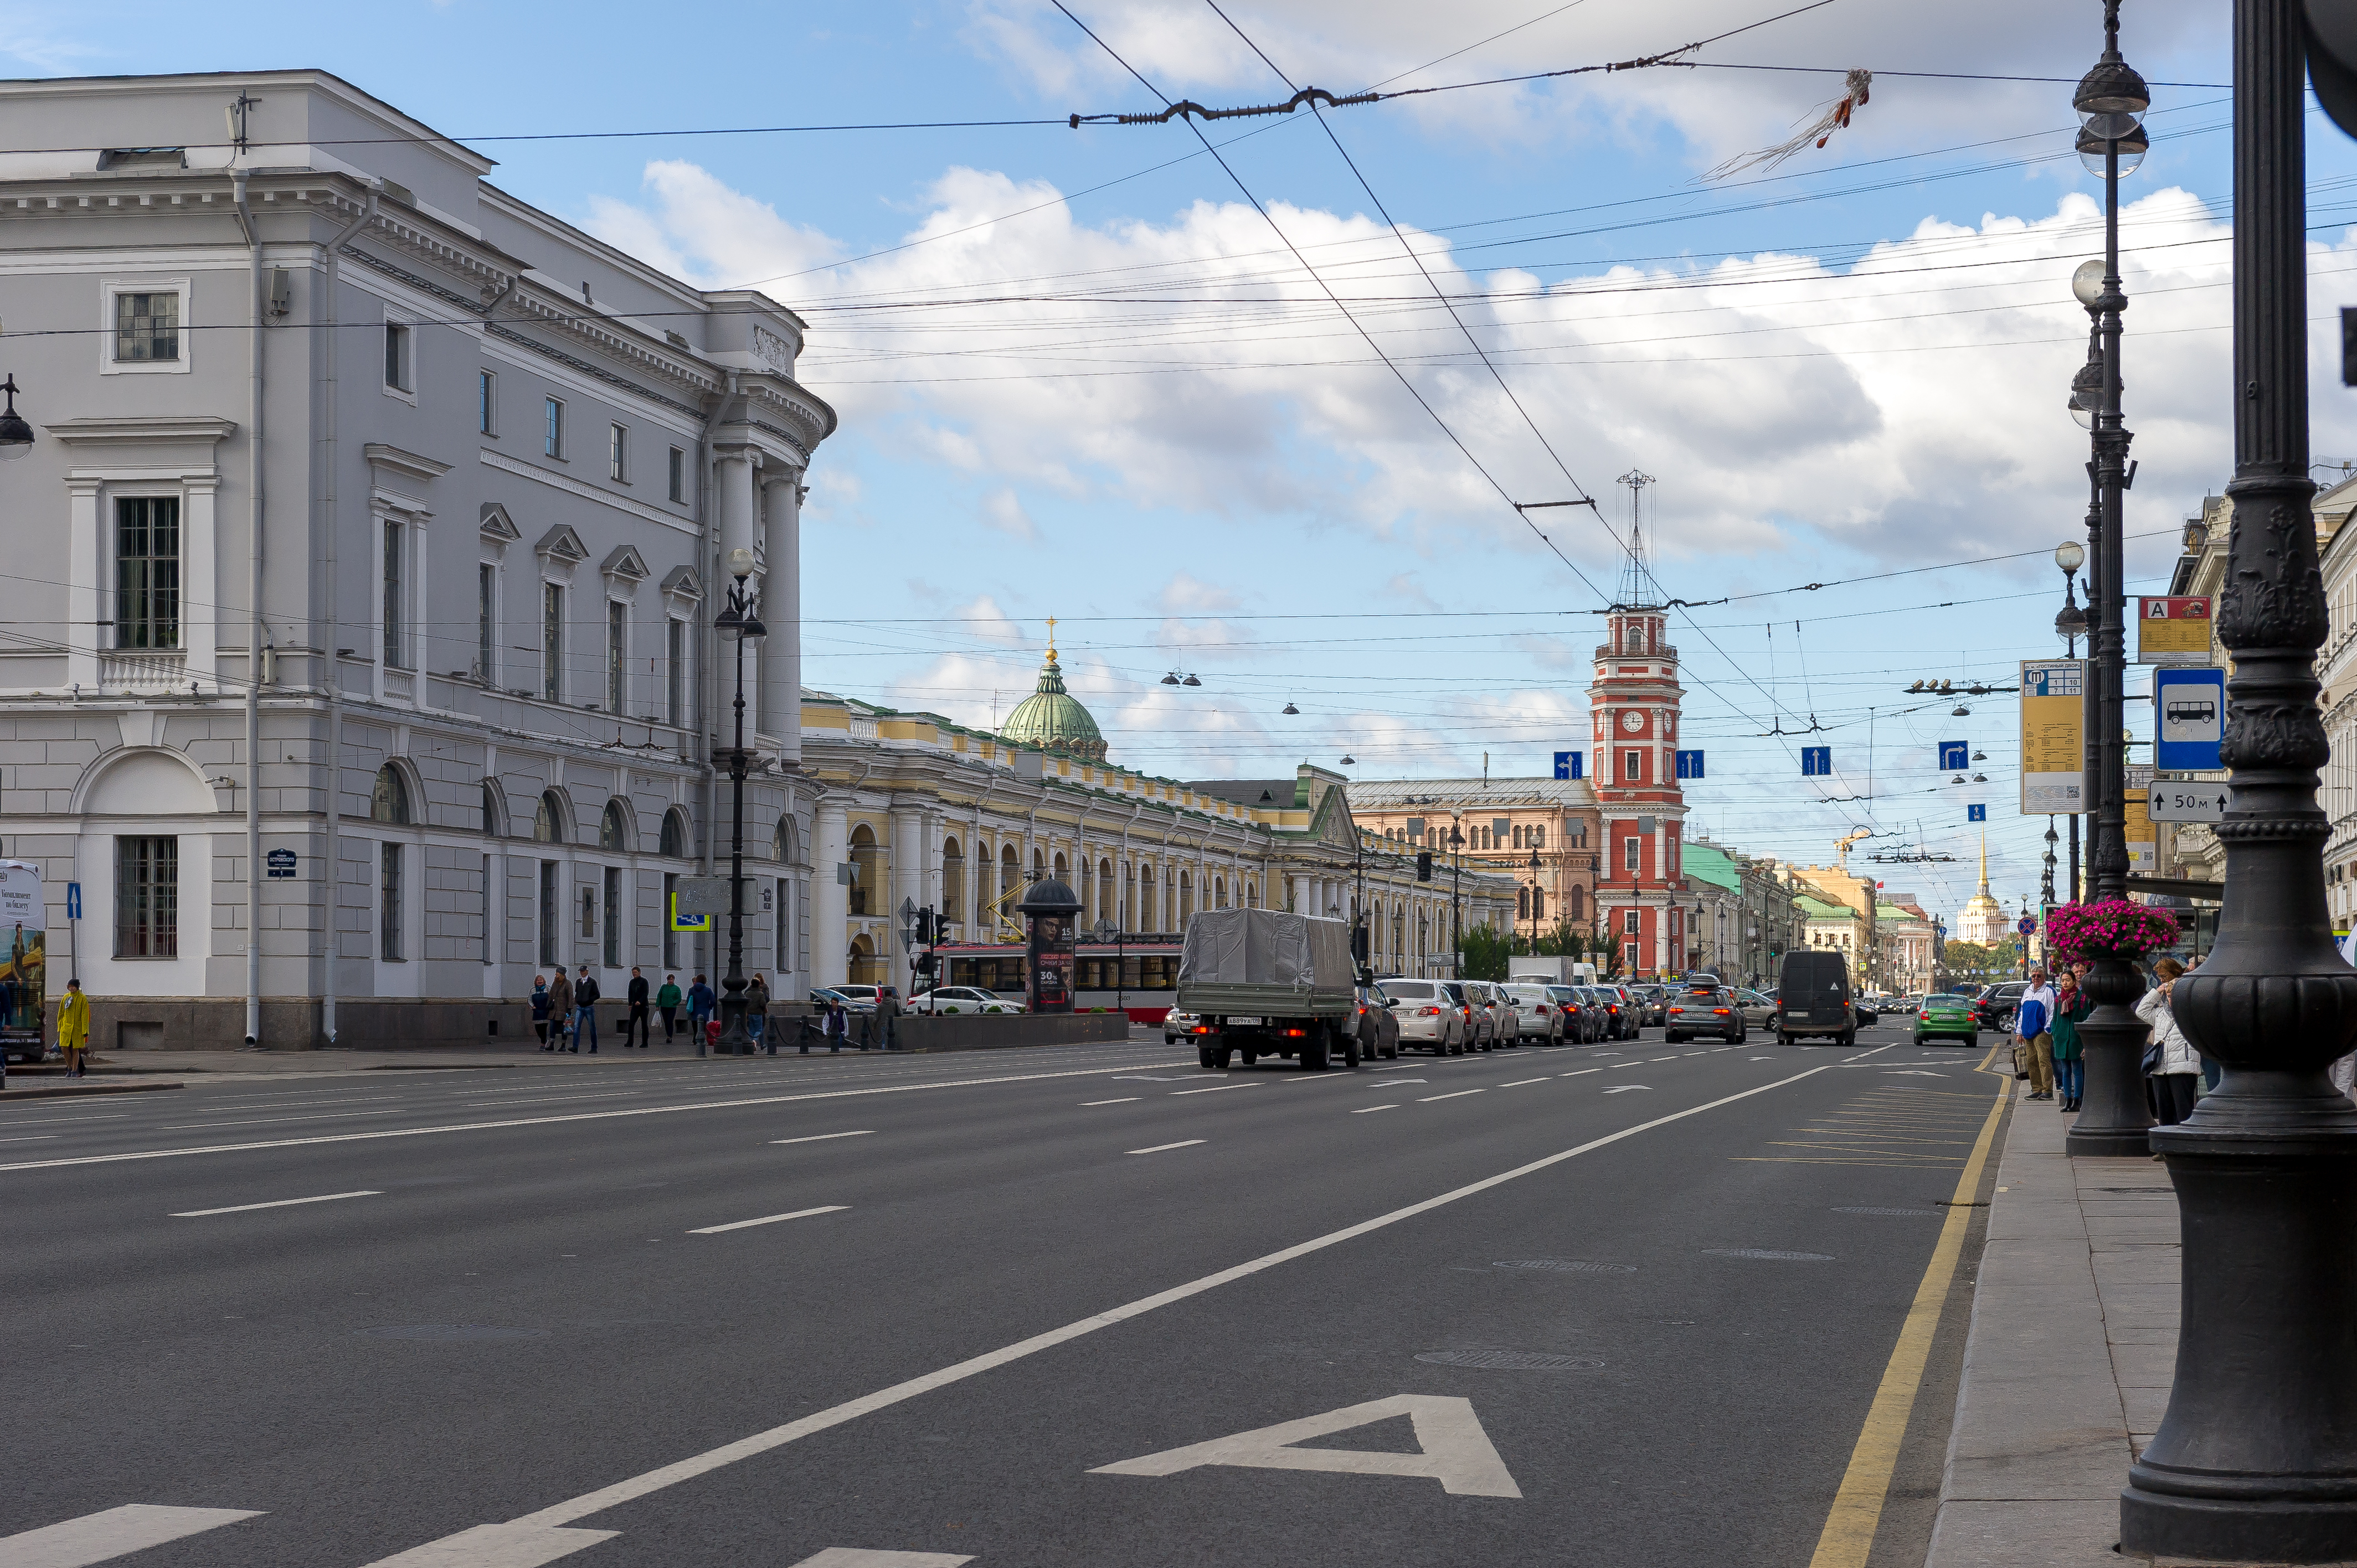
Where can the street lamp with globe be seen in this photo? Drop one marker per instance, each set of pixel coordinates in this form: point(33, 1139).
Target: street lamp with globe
point(741, 625)
point(2071, 625)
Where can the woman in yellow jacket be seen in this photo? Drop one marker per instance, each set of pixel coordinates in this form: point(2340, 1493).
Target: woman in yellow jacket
point(73, 1027)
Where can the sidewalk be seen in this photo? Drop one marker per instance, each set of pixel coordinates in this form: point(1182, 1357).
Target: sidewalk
point(2072, 1349)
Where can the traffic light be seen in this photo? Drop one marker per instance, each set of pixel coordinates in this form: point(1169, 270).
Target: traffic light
point(2332, 61)
point(1424, 865)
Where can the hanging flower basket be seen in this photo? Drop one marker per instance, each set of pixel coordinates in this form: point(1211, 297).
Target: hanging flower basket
point(2113, 928)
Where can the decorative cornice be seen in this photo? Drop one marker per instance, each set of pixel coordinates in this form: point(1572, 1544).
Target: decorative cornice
point(573, 487)
point(140, 430)
point(408, 463)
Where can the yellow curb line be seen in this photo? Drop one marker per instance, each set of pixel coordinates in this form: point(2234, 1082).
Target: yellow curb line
point(1848, 1535)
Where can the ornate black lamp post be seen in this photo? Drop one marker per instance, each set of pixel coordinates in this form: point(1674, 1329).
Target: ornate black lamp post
point(2256, 1459)
point(1456, 898)
point(2071, 625)
point(2111, 101)
point(741, 625)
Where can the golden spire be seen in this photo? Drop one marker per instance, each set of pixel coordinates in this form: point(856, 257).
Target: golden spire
point(1985, 891)
point(1051, 639)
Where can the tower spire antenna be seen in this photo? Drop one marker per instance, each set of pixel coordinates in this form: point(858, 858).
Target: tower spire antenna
point(1637, 589)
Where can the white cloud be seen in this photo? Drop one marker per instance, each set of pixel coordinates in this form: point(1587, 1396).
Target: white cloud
point(1003, 511)
point(1183, 595)
point(698, 229)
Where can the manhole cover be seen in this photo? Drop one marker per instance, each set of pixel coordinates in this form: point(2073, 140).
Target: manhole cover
point(448, 1331)
point(1773, 1256)
point(1511, 1360)
point(1920, 1211)
point(1567, 1266)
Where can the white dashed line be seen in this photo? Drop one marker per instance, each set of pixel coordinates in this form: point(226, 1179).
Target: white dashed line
point(1165, 1148)
point(769, 1219)
point(1520, 1081)
point(281, 1203)
point(1362, 1110)
point(1214, 1089)
point(1583, 1072)
point(1459, 1095)
point(822, 1137)
point(1130, 1099)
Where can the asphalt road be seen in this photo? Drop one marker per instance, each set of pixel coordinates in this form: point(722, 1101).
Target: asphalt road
point(1610, 1306)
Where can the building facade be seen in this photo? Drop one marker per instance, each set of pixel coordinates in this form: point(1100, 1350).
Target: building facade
point(1983, 920)
point(1634, 705)
point(365, 563)
point(1504, 823)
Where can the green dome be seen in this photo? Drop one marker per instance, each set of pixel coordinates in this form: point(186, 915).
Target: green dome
point(1052, 720)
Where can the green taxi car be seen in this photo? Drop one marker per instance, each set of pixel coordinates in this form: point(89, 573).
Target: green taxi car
point(1947, 1015)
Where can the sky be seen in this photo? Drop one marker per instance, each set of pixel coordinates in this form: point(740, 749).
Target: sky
point(1227, 411)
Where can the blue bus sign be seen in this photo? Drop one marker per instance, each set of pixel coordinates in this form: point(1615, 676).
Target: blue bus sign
point(2189, 719)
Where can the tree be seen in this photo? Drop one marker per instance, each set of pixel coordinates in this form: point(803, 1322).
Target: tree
point(1483, 951)
point(1978, 963)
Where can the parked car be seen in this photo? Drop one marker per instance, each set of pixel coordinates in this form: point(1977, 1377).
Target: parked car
point(1377, 1029)
point(1702, 1009)
point(863, 998)
point(1947, 1017)
point(1469, 1010)
point(1481, 1012)
point(1535, 1014)
point(1653, 1003)
point(1571, 1013)
point(1177, 1025)
point(1596, 1024)
point(1997, 1005)
point(1759, 1009)
point(960, 999)
point(1623, 1021)
point(1430, 1018)
point(827, 996)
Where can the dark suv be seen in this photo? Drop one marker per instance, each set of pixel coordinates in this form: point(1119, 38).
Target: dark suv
point(1704, 1009)
point(1996, 1006)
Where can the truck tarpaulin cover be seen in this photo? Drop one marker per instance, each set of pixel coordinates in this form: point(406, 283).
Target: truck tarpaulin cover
point(1265, 947)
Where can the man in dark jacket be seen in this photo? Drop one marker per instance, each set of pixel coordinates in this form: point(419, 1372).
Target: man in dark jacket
point(585, 1011)
point(638, 1019)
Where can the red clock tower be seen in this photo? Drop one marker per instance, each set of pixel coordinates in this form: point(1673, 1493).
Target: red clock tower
point(1634, 703)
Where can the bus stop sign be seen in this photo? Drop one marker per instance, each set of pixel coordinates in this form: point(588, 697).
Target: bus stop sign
point(2189, 719)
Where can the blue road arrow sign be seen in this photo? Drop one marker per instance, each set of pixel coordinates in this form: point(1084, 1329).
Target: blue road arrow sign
point(1976, 813)
point(1816, 759)
point(2189, 718)
point(1567, 764)
point(1955, 755)
point(74, 900)
point(1689, 764)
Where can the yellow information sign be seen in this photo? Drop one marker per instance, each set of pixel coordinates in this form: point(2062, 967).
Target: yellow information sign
point(2053, 736)
point(2172, 630)
point(2143, 841)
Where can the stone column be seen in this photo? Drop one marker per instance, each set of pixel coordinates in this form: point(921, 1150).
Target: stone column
point(781, 610)
point(830, 902)
point(907, 881)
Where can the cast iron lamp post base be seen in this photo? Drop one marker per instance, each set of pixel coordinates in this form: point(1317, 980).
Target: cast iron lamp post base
point(2114, 1119)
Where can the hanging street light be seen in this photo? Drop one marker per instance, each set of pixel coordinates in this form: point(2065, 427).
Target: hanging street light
point(2257, 1457)
point(15, 434)
point(1291, 709)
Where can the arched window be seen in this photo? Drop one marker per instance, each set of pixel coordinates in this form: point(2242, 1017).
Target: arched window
point(1149, 915)
point(1061, 875)
point(1521, 903)
point(674, 835)
point(495, 810)
point(389, 802)
point(953, 880)
point(1219, 893)
point(614, 827)
point(548, 819)
point(1186, 897)
point(868, 892)
point(787, 848)
point(1007, 869)
point(1538, 903)
point(1578, 902)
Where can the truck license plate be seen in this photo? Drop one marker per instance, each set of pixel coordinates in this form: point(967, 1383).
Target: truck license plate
point(1234, 1022)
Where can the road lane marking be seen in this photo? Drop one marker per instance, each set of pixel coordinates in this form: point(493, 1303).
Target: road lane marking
point(767, 1219)
point(860, 1557)
point(1661, 1059)
point(1520, 1081)
point(1126, 1100)
point(1214, 1089)
point(548, 1523)
point(1362, 1110)
point(822, 1137)
point(1863, 1054)
point(33, 1138)
point(249, 1208)
point(541, 1121)
point(116, 1532)
point(1459, 1095)
point(1165, 1148)
point(282, 1120)
point(1848, 1535)
point(1583, 1072)
point(1451, 1448)
point(1626, 1088)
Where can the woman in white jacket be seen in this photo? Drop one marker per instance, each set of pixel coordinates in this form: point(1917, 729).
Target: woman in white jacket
point(2175, 1080)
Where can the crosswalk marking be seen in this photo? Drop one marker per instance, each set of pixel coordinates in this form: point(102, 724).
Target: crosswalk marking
point(116, 1532)
point(516, 1544)
point(852, 1557)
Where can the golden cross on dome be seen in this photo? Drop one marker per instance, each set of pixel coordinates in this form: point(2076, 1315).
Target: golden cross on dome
point(1052, 637)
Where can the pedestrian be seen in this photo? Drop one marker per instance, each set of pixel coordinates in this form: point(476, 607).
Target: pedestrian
point(887, 1012)
point(667, 1003)
point(638, 1019)
point(757, 1012)
point(73, 1027)
point(585, 1011)
point(539, 1009)
point(699, 1008)
point(2031, 1021)
point(838, 1025)
point(2072, 1004)
point(2172, 1066)
point(560, 1010)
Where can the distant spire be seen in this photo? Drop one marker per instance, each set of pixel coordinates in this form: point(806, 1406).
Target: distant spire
point(1051, 639)
point(1985, 891)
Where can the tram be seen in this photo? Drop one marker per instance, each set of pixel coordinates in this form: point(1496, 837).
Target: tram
point(1138, 973)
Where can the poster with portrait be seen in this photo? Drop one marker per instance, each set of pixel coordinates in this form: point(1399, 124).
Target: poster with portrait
point(24, 921)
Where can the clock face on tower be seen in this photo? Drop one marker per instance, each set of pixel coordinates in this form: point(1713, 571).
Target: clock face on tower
point(1632, 721)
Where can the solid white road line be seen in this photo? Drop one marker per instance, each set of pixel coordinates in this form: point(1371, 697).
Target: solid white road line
point(822, 1137)
point(541, 1121)
point(769, 1219)
point(35, 1138)
point(547, 1524)
point(1163, 1148)
point(99, 1537)
point(1459, 1095)
point(1362, 1110)
point(249, 1208)
point(282, 1120)
point(1126, 1100)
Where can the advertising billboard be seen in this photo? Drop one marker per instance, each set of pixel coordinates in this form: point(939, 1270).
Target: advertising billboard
point(22, 958)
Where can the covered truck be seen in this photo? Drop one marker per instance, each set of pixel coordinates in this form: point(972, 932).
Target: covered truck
point(1265, 982)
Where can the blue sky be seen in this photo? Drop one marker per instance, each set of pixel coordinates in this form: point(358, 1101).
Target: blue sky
point(1132, 409)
